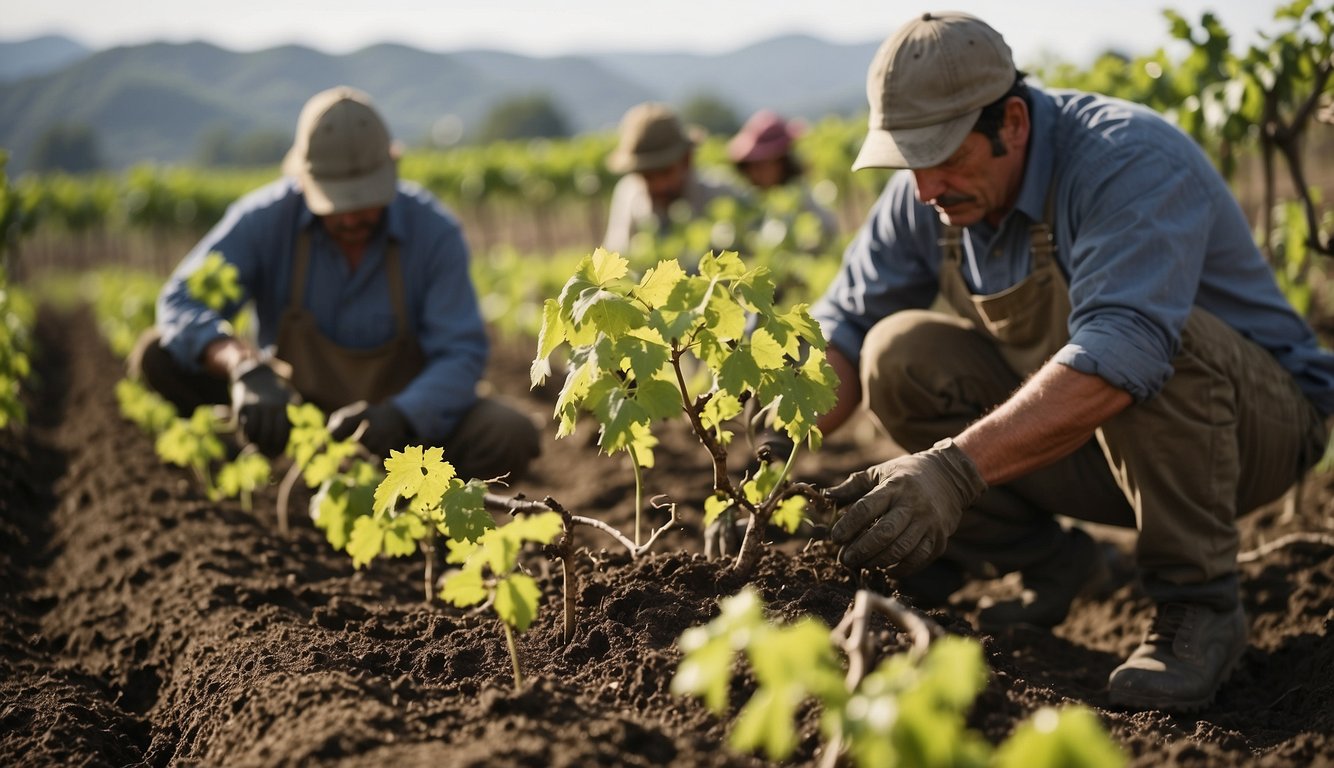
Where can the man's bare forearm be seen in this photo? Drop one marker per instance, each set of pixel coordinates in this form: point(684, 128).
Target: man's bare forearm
point(1048, 418)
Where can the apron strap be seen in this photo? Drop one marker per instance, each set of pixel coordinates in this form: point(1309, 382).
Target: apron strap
point(1041, 236)
point(300, 262)
point(393, 274)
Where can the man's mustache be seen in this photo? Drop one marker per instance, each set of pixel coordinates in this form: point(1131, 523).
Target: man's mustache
point(949, 201)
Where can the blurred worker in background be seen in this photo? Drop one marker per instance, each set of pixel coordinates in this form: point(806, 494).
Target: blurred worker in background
point(364, 303)
point(660, 184)
point(763, 153)
point(1115, 349)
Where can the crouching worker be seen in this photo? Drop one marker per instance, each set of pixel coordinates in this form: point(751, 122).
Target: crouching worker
point(1114, 349)
point(361, 290)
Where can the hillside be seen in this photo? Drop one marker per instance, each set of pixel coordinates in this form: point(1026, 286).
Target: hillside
point(157, 101)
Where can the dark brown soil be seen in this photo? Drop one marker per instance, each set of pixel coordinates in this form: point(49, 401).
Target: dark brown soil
point(141, 623)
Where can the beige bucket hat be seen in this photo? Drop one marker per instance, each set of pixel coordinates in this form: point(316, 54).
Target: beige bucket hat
point(342, 156)
point(651, 137)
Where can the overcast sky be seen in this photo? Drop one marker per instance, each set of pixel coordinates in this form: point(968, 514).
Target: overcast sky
point(1074, 31)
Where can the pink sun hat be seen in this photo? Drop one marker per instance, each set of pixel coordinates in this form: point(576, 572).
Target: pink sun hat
point(764, 136)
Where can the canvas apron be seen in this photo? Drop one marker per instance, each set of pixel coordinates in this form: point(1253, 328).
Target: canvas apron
point(1228, 432)
point(1029, 320)
point(330, 375)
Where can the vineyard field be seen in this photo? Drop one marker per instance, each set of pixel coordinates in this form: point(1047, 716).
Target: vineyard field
point(145, 624)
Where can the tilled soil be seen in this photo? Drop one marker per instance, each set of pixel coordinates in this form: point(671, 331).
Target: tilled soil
point(141, 623)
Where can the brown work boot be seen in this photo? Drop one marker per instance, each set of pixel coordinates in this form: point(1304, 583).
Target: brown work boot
point(1050, 586)
point(1188, 652)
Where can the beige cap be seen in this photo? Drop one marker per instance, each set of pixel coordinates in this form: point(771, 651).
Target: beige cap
point(926, 87)
point(651, 138)
point(342, 156)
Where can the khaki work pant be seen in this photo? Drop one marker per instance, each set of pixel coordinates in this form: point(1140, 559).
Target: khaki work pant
point(491, 439)
point(1229, 431)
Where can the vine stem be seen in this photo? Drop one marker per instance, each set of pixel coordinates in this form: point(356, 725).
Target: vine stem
point(428, 552)
point(564, 549)
point(285, 494)
point(752, 544)
point(514, 655)
point(853, 635)
point(639, 489)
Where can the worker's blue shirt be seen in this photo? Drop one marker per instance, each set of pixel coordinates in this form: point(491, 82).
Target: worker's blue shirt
point(1145, 229)
point(351, 307)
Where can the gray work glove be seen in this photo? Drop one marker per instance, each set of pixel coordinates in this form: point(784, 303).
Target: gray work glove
point(259, 406)
point(903, 511)
point(386, 426)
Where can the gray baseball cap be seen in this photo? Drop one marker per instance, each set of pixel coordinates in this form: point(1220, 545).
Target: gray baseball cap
point(342, 156)
point(926, 87)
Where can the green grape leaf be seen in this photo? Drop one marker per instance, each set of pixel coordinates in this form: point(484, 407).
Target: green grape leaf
point(214, 283)
point(464, 508)
point(414, 471)
point(517, 600)
point(767, 721)
point(373, 535)
point(324, 465)
point(765, 351)
point(607, 311)
point(740, 372)
point(714, 506)
point(464, 588)
point(706, 671)
point(789, 513)
point(658, 283)
point(621, 414)
point(329, 512)
point(720, 408)
point(1053, 738)
point(366, 541)
point(244, 475)
point(549, 338)
point(659, 399)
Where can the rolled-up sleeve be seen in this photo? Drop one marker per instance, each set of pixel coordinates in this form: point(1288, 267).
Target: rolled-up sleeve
point(452, 336)
point(187, 325)
point(1135, 264)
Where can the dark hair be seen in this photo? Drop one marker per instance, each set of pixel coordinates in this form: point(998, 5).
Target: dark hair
point(993, 115)
point(791, 168)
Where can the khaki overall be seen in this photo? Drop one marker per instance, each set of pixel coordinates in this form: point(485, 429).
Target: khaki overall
point(491, 440)
point(1229, 431)
point(332, 376)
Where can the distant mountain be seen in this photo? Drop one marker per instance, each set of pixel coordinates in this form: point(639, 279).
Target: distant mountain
point(792, 74)
point(37, 56)
point(156, 102)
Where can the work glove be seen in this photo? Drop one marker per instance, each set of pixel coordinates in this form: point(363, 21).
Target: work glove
point(903, 511)
point(386, 426)
point(259, 406)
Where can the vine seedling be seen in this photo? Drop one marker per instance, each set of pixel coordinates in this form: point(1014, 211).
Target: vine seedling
point(630, 342)
point(909, 710)
point(490, 574)
point(419, 497)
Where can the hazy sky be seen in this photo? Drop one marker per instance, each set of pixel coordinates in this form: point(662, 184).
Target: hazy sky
point(1072, 30)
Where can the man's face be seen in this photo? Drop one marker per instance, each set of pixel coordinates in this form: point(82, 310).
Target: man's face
point(973, 184)
point(667, 185)
point(353, 228)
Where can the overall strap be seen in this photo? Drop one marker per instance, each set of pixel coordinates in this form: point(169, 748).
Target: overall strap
point(300, 263)
point(1042, 234)
point(394, 275)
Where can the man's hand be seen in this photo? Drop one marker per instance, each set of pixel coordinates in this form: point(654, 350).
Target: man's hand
point(259, 405)
point(386, 426)
point(903, 511)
